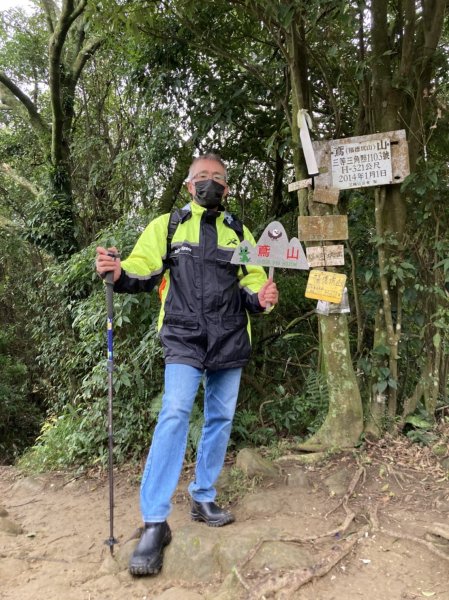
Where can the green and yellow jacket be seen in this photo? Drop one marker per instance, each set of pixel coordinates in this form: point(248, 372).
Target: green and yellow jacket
point(205, 300)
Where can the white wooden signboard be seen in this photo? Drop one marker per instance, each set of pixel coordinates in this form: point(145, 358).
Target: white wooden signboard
point(361, 164)
point(325, 256)
point(326, 152)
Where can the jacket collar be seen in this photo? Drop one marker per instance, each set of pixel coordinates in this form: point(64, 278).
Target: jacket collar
point(196, 209)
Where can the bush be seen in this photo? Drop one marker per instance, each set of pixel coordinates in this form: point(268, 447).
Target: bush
point(71, 337)
point(19, 416)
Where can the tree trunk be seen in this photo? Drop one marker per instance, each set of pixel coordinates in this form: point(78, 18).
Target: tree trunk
point(376, 413)
point(400, 76)
point(344, 421)
point(174, 186)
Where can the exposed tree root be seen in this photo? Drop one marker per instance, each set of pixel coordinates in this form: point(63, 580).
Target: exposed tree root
point(340, 530)
point(283, 585)
point(439, 530)
point(344, 501)
point(302, 459)
point(374, 519)
point(289, 582)
point(416, 540)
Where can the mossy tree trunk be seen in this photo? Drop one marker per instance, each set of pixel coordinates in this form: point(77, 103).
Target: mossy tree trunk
point(53, 225)
point(402, 68)
point(344, 422)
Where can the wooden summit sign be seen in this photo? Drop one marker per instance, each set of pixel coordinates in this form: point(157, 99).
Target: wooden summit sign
point(367, 160)
point(361, 164)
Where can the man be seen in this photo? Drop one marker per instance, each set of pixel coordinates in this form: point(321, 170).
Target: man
point(204, 329)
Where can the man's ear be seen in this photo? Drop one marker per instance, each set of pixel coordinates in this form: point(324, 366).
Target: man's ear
point(191, 188)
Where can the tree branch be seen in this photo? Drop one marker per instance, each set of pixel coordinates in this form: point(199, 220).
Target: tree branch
point(407, 50)
point(220, 51)
point(51, 13)
point(24, 183)
point(433, 19)
point(81, 59)
point(68, 15)
point(36, 120)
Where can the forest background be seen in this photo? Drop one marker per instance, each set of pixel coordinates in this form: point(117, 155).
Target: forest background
point(102, 105)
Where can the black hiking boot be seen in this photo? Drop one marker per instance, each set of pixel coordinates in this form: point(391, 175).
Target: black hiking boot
point(147, 557)
point(211, 514)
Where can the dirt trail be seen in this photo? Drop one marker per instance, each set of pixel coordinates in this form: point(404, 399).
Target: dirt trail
point(373, 501)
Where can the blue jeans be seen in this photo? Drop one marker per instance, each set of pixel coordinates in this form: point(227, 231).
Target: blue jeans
point(166, 456)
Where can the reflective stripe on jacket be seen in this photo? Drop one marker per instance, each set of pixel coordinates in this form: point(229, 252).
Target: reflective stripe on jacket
point(203, 320)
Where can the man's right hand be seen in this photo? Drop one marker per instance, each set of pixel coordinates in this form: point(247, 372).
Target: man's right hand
point(108, 259)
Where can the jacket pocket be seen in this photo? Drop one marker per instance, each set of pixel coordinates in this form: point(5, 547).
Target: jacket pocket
point(180, 321)
point(235, 322)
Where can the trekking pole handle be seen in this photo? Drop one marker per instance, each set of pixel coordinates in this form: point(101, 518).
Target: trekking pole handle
point(109, 280)
point(109, 276)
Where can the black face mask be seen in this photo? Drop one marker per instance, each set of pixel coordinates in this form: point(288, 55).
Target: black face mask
point(209, 193)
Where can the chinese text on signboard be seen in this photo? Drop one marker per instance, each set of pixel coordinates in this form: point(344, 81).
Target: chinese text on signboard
point(361, 164)
point(273, 249)
point(323, 285)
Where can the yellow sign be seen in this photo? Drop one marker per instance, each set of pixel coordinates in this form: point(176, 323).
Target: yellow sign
point(326, 286)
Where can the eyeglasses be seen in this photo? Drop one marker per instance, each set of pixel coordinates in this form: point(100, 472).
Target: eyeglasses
point(203, 175)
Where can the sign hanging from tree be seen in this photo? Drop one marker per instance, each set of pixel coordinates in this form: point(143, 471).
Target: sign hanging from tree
point(361, 164)
point(327, 286)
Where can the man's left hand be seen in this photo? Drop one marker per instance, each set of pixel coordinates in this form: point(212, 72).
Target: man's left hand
point(268, 294)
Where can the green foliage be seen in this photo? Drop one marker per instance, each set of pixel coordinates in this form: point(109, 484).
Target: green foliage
point(78, 437)
point(159, 79)
point(286, 414)
point(18, 416)
point(235, 486)
point(419, 427)
point(71, 337)
point(247, 430)
point(58, 446)
point(374, 366)
point(20, 401)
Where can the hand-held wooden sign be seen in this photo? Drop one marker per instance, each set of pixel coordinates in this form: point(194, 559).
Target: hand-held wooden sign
point(272, 250)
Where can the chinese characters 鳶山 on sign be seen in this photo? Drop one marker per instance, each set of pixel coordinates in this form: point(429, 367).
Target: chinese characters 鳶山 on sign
point(273, 249)
point(361, 164)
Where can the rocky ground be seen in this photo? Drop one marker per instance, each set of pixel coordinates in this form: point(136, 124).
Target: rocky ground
point(370, 524)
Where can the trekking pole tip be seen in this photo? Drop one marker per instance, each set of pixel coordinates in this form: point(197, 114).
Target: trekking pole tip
point(111, 543)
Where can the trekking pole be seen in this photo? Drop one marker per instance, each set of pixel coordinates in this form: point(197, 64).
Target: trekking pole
point(109, 280)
